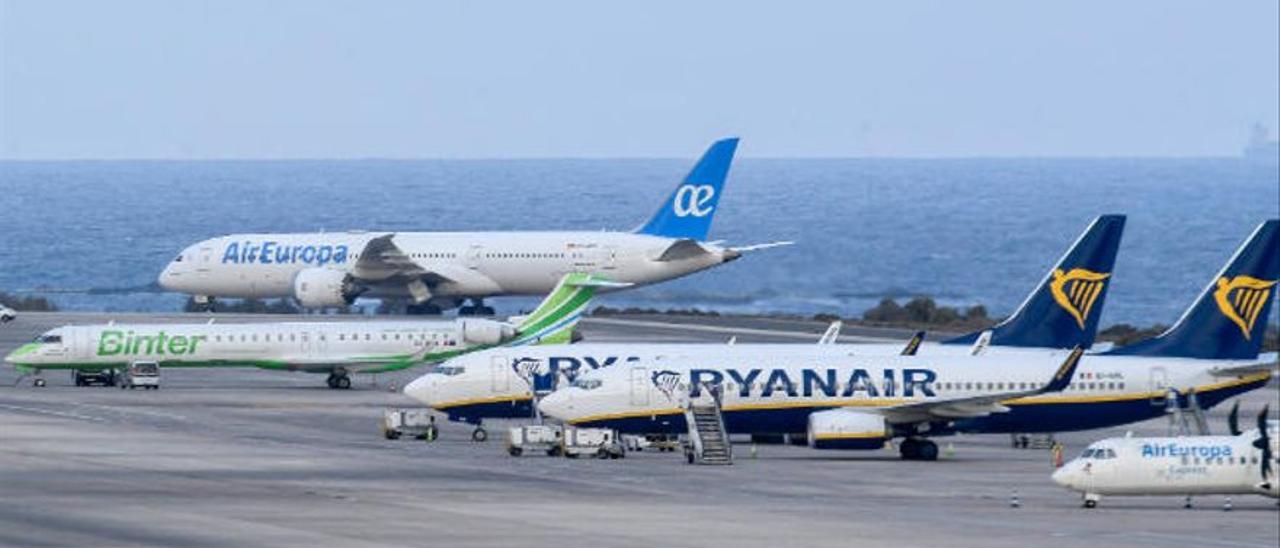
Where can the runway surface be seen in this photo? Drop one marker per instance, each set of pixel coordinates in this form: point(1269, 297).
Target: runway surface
point(250, 457)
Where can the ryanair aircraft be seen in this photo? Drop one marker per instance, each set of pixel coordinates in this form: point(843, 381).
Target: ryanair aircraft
point(336, 348)
point(858, 402)
point(1061, 313)
point(1243, 463)
point(440, 270)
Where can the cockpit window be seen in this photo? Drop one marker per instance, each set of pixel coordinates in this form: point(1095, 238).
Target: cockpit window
point(1099, 453)
point(178, 260)
point(49, 339)
point(587, 384)
point(450, 370)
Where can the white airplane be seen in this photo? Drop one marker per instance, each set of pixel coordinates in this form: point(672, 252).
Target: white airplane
point(1243, 463)
point(336, 348)
point(439, 270)
point(1061, 312)
point(852, 402)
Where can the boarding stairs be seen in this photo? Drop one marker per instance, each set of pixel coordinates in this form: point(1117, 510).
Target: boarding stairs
point(1185, 419)
point(708, 441)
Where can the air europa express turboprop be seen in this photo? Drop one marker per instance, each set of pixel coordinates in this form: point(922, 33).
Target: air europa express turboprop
point(336, 348)
point(440, 270)
point(859, 402)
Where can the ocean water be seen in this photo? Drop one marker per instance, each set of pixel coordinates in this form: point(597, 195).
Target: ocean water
point(94, 235)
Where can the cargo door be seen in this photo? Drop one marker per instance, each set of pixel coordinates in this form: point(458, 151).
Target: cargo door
point(639, 386)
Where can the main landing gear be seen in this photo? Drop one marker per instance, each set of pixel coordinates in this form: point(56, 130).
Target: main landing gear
point(479, 435)
point(425, 309)
point(477, 308)
point(918, 449)
point(339, 380)
point(203, 303)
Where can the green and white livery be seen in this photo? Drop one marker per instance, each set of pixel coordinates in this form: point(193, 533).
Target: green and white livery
point(336, 348)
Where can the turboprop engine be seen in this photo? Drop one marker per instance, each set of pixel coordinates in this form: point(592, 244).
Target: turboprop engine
point(322, 287)
point(476, 331)
point(844, 429)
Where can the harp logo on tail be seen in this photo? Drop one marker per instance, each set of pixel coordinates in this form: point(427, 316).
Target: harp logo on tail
point(1241, 299)
point(666, 381)
point(1076, 290)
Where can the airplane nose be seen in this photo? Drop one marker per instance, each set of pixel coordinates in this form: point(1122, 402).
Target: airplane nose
point(167, 278)
point(423, 389)
point(556, 405)
point(1062, 476)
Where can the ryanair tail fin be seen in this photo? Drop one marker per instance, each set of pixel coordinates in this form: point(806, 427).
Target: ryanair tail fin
point(1063, 311)
point(554, 319)
point(687, 212)
point(1229, 319)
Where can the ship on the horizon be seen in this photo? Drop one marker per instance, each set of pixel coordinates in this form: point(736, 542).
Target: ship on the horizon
point(1261, 148)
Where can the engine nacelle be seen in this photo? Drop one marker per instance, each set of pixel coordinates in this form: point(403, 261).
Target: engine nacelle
point(475, 331)
point(322, 287)
point(845, 429)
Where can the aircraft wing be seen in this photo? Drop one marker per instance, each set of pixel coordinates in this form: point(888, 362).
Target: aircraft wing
point(977, 406)
point(382, 260)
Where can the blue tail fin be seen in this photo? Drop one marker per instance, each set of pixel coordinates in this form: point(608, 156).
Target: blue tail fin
point(1229, 320)
point(1063, 310)
point(687, 212)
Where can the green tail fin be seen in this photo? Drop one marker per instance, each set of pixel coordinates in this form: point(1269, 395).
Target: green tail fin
point(553, 321)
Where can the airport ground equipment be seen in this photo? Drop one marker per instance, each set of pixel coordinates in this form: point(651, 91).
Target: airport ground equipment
point(103, 377)
point(657, 442)
point(140, 374)
point(597, 442)
point(708, 441)
point(7, 314)
point(419, 423)
point(536, 437)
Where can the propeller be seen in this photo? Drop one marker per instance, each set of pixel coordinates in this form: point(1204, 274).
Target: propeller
point(1264, 443)
point(1233, 419)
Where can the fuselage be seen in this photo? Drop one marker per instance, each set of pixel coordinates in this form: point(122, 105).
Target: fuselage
point(468, 264)
point(307, 346)
point(501, 382)
point(769, 394)
point(1186, 465)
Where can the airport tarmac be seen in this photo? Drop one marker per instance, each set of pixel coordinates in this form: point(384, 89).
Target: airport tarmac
point(251, 457)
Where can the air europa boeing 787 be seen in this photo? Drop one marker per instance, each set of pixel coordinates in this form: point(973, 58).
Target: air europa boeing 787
point(336, 348)
point(440, 270)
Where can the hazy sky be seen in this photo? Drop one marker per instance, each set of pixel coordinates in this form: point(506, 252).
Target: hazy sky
point(309, 79)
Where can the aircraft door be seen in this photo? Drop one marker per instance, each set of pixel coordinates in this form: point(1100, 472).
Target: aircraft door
point(499, 381)
point(473, 256)
point(1159, 385)
point(607, 257)
point(639, 386)
point(304, 342)
point(204, 261)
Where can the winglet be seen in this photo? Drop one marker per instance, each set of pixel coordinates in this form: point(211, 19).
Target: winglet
point(913, 345)
point(688, 210)
point(554, 319)
point(1062, 377)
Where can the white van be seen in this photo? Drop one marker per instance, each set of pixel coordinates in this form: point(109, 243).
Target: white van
point(144, 374)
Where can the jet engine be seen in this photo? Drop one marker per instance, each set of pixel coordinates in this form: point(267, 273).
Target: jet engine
point(322, 287)
point(844, 429)
point(486, 331)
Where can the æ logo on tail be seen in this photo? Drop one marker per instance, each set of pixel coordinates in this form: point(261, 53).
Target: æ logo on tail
point(692, 200)
point(1076, 290)
point(1241, 299)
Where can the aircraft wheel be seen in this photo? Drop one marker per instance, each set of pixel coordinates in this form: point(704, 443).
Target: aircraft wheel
point(927, 450)
point(514, 451)
point(343, 382)
point(479, 435)
point(909, 449)
point(38, 383)
point(487, 311)
point(467, 311)
point(1090, 504)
